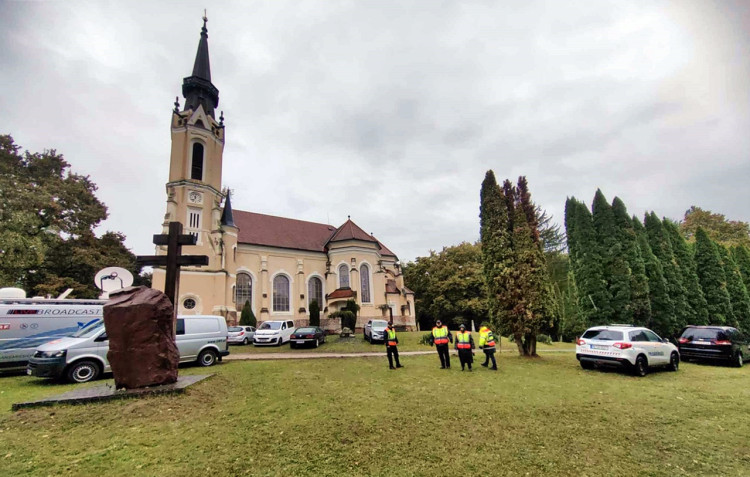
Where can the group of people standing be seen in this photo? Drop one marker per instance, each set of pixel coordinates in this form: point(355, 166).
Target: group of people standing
point(440, 337)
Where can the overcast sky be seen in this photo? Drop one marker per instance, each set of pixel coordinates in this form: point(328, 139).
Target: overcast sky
point(392, 111)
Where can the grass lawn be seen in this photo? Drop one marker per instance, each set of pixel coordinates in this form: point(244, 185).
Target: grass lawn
point(408, 341)
point(356, 417)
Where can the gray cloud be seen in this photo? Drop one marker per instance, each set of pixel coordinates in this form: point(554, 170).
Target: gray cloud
point(391, 112)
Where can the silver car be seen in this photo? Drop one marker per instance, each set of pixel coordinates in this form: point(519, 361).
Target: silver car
point(375, 330)
point(240, 334)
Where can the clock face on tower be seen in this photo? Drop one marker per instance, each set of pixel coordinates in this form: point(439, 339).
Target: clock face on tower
point(195, 197)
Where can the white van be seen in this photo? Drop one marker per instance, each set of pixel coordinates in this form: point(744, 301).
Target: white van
point(26, 323)
point(273, 333)
point(83, 356)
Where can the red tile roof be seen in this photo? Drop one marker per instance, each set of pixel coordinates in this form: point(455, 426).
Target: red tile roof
point(272, 231)
point(390, 287)
point(341, 293)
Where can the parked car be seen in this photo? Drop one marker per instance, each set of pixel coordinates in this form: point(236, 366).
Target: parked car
point(273, 333)
point(375, 330)
point(630, 347)
point(82, 357)
point(308, 335)
point(240, 334)
point(714, 343)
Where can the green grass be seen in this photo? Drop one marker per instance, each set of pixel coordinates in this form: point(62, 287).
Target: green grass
point(408, 341)
point(356, 417)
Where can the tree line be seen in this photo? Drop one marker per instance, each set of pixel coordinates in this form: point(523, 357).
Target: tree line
point(647, 273)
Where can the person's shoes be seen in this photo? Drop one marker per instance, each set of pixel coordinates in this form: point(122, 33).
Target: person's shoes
point(442, 367)
point(391, 367)
point(399, 366)
point(462, 368)
point(469, 369)
point(485, 365)
point(494, 369)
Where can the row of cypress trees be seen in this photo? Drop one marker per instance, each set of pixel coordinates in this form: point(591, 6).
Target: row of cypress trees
point(647, 274)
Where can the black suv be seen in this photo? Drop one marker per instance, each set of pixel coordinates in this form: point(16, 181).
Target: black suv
point(714, 343)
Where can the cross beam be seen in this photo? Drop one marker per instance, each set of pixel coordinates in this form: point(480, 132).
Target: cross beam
point(174, 259)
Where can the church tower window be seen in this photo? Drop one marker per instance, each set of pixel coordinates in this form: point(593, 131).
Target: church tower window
point(280, 293)
point(343, 276)
point(196, 170)
point(315, 291)
point(364, 273)
point(244, 290)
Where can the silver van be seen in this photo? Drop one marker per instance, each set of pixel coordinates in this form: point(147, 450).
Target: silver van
point(82, 357)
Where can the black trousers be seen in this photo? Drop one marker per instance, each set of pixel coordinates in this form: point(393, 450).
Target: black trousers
point(466, 357)
point(392, 353)
point(489, 354)
point(445, 357)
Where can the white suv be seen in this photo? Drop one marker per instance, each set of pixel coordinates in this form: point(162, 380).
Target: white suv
point(273, 333)
point(625, 346)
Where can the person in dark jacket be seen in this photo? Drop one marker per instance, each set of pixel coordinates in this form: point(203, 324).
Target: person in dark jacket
point(464, 343)
point(391, 346)
point(440, 337)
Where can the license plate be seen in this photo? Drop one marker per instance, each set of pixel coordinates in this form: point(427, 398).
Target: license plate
point(300, 341)
point(599, 347)
point(28, 371)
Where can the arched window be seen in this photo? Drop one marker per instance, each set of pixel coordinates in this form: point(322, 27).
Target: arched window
point(280, 293)
point(243, 291)
point(196, 171)
point(343, 276)
point(315, 291)
point(364, 278)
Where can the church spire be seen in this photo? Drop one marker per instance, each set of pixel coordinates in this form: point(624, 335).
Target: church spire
point(198, 89)
point(227, 218)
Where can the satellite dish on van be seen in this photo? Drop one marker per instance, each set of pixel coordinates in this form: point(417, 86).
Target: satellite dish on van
point(112, 279)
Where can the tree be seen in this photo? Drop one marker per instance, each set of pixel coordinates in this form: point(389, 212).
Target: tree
point(662, 308)
point(689, 274)
point(712, 279)
point(738, 296)
point(639, 304)
point(741, 256)
point(314, 313)
point(716, 226)
point(615, 267)
point(47, 219)
point(661, 246)
point(247, 317)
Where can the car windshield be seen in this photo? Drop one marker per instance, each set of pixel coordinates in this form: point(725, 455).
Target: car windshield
point(234, 328)
point(379, 324)
point(305, 330)
point(89, 330)
point(604, 335)
point(271, 325)
point(694, 334)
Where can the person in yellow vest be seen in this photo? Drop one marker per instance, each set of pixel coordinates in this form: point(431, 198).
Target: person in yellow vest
point(464, 343)
point(391, 345)
point(487, 344)
point(440, 337)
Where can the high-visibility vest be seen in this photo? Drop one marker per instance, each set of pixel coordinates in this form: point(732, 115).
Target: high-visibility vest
point(440, 335)
point(391, 337)
point(463, 340)
point(489, 340)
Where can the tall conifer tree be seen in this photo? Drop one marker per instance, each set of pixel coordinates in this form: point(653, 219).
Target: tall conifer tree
point(662, 308)
point(687, 269)
point(741, 256)
point(737, 292)
point(662, 248)
point(615, 268)
point(712, 279)
point(640, 304)
point(595, 300)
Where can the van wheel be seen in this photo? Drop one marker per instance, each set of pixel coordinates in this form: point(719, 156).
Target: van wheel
point(674, 362)
point(641, 366)
point(207, 358)
point(83, 371)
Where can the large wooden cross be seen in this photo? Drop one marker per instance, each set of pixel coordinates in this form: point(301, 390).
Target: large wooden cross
point(174, 259)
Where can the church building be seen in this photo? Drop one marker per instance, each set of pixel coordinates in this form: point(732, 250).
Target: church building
point(279, 265)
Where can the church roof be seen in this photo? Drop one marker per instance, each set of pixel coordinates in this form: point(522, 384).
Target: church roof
point(227, 215)
point(197, 89)
point(273, 231)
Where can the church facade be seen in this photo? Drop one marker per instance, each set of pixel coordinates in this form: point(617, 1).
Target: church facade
point(278, 265)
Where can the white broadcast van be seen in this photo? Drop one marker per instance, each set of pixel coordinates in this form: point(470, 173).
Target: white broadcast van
point(26, 323)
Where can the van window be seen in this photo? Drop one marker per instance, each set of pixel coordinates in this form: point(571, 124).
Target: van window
point(270, 325)
point(180, 326)
point(290, 324)
point(202, 325)
point(89, 330)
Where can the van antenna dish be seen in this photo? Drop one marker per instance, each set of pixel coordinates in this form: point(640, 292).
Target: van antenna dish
point(111, 279)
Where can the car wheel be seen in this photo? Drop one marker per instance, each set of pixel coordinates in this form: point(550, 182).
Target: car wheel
point(83, 372)
point(245, 341)
point(587, 365)
point(641, 366)
point(738, 362)
point(207, 358)
point(317, 342)
point(674, 362)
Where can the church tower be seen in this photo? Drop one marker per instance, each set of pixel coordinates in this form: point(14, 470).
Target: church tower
point(194, 194)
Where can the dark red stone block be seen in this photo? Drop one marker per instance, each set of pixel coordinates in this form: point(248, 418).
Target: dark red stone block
point(142, 349)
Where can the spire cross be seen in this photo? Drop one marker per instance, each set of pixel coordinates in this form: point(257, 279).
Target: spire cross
point(205, 18)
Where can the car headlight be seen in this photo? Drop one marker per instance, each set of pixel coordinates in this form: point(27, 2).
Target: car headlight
point(51, 354)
